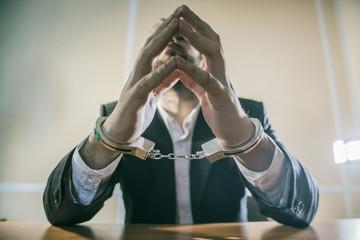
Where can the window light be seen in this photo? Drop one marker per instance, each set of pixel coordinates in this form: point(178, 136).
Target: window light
point(346, 150)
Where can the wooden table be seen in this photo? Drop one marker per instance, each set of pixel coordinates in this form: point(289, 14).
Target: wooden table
point(346, 229)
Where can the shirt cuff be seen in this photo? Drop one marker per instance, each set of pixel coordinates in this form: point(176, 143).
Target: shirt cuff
point(268, 181)
point(86, 181)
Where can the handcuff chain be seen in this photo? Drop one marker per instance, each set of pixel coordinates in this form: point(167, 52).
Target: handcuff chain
point(156, 155)
point(144, 148)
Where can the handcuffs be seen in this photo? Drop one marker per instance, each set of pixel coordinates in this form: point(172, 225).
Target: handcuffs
point(144, 148)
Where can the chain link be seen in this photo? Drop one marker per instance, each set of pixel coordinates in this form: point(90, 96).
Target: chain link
point(155, 154)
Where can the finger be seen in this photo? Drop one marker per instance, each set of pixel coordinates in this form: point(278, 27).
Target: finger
point(203, 44)
point(162, 26)
point(152, 80)
point(193, 74)
point(143, 63)
point(190, 84)
point(199, 25)
point(213, 52)
point(167, 83)
point(159, 42)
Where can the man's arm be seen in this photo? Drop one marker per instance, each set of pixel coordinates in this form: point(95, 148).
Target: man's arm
point(132, 115)
point(232, 127)
point(137, 102)
point(61, 210)
point(286, 192)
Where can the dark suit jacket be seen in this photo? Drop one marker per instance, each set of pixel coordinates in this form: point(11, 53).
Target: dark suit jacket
point(217, 190)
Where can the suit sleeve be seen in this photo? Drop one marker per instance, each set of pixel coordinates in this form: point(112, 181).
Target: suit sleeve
point(299, 202)
point(61, 210)
point(59, 207)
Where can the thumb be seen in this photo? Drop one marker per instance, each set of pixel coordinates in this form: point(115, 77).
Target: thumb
point(167, 83)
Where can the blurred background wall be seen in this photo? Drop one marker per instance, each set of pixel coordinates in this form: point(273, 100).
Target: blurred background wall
point(59, 60)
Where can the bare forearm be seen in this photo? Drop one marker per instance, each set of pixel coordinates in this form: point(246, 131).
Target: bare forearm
point(95, 155)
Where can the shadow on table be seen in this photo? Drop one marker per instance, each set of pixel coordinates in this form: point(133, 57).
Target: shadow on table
point(144, 232)
point(286, 232)
point(228, 231)
point(69, 232)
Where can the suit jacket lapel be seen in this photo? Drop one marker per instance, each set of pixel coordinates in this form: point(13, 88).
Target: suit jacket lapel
point(163, 169)
point(199, 169)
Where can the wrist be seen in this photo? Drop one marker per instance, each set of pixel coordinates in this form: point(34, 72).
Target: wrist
point(140, 147)
point(95, 155)
point(113, 127)
point(214, 150)
point(259, 159)
point(246, 129)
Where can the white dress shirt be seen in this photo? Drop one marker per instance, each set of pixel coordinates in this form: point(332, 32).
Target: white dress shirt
point(181, 139)
point(86, 181)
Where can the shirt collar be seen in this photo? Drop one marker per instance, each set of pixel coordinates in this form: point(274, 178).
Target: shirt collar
point(189, 121)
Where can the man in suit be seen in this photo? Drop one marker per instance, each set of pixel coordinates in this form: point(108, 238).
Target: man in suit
point(179, 96)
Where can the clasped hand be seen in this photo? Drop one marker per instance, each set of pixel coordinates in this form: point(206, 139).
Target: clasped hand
point(219, 103)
